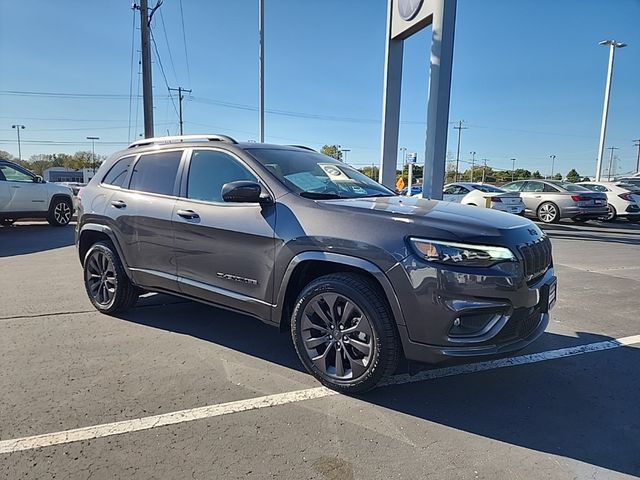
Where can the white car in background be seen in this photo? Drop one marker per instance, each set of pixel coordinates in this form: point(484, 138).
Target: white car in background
point(623, 199)
point(482, 195)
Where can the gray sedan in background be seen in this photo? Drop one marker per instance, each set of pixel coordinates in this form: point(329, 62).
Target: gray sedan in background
point(550, 201)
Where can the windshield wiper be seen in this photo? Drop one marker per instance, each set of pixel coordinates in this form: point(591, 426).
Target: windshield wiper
point(320, 195)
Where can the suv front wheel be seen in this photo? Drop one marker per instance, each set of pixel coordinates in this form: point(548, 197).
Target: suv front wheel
point(105, 280)
point(344, 333)
point(60, 212)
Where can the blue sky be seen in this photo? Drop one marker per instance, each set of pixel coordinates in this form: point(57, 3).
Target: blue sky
point(528, 76)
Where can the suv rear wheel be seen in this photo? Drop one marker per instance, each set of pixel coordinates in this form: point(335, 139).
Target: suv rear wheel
point(344, 333)
point(60, 212)
point(105, 280)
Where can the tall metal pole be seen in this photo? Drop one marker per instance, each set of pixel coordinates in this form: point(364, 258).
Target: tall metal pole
point(484, 170)
point(610, 162)
point(473, 163)
point(93, 152)
point(637, 144)
point(553, 159)
point(458, 127)
point(180, 91)
point(147, 86)
point(605, 109)
point(513, 168)
point(18, 128)
point(261, 32)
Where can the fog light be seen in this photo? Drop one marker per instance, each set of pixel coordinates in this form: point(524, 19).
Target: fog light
point(456, 322)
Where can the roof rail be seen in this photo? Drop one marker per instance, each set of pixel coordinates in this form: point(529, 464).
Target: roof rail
point(304, 147)
point(180, 139)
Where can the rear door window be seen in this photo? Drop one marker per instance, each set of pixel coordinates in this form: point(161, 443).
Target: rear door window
point(156, 172)
point(534, 187)
point(118, 172)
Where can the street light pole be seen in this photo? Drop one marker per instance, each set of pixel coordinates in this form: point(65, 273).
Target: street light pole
point(473, 163)
point(610, 162)
point(637, 144)
point(605, 109)
point(261, 62)
point(18, 128)
point(513, 168)
point(93, 152)
point(344, 154)
point(458, 127)
point(553, 159)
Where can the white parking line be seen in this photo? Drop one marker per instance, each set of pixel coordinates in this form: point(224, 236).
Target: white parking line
point(182, 416)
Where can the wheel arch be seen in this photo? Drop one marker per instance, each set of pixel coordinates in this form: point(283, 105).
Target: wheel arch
point(92, 233)
point(307, 266)
point(59, 196)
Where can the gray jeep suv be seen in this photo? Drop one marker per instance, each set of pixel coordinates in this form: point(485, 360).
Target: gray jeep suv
point(361, 277)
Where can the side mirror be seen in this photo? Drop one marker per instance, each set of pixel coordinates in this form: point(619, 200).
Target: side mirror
point(243, 191)
point(38, 179)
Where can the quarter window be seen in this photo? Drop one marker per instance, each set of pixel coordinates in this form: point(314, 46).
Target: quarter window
point(209, 170)
point(118, 173)
point(156, 172)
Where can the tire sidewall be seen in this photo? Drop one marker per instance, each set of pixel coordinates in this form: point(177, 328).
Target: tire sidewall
point(367, 380)
point(107, 250)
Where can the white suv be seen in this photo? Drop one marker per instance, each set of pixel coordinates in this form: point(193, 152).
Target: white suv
point(26, 195)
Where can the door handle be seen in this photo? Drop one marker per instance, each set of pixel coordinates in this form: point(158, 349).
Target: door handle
point(188, 214)
point(118, 204)
point(538, 196)
point(15, 186)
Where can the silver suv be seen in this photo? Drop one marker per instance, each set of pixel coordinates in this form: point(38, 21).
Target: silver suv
point(360, 276)
point(550, 201)
point(24, 194)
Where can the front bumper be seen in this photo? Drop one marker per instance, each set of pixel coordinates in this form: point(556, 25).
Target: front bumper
point(496, 310)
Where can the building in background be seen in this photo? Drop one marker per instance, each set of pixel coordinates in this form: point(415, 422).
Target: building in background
point(62, 174)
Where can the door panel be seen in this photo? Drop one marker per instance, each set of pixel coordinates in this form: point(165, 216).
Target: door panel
point(224, 251)
point(24, 195)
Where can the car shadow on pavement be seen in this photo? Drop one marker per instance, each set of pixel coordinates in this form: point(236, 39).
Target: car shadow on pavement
point(584, 407)
point(22, 239)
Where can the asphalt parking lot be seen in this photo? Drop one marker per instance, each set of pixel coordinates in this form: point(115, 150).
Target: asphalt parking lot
point(175, 389)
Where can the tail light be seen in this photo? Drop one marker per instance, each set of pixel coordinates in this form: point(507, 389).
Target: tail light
point(626, 196)
point(496, 199)
point(578, 198)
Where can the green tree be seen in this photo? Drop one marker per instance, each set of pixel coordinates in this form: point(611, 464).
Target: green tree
point(6, 156)
point(573, 176)
point(371, 172)
point(332, 151)
point(557, 176)
point(536, 174)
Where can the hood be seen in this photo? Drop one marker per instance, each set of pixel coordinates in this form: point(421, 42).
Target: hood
point(54, 188)
point(442, 220)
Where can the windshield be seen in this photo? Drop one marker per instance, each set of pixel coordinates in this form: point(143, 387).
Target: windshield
point(312, 175)
point(488, 188)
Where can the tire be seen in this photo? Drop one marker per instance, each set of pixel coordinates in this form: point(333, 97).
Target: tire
point(60, 212)
point(548, 212)
point(612, 215)
point(113, 292)
point(330, 354)
point(7, 222)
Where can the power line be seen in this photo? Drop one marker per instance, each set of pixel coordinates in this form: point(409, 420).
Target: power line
point(164, 76)
point(133, 34)
point(166, 39)
point(184, 42)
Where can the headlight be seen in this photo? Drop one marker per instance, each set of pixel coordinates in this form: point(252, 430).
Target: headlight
point(450, 253)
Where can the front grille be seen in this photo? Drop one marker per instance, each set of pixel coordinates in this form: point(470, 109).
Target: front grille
point(537, 257)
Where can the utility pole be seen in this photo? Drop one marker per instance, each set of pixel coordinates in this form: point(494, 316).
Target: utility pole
point(180, 90)
point(18, 128)
point(553, 159)
point(147, 86)
point(605, 109)
point(610, 162)
point(484, 170)
point(93, 152)
point(637, 144)
point(458, 127)
point(261, 74)
point(513, 168)
point(473, 163)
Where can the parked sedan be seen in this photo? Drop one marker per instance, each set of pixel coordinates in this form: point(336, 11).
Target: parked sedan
point(621, 198)
point(481, 195)
point(549, 201)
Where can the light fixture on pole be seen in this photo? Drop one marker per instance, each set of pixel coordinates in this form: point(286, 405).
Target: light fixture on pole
point(18, 128)
point(93, 152)
point(553, 159)
point(605, 109)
